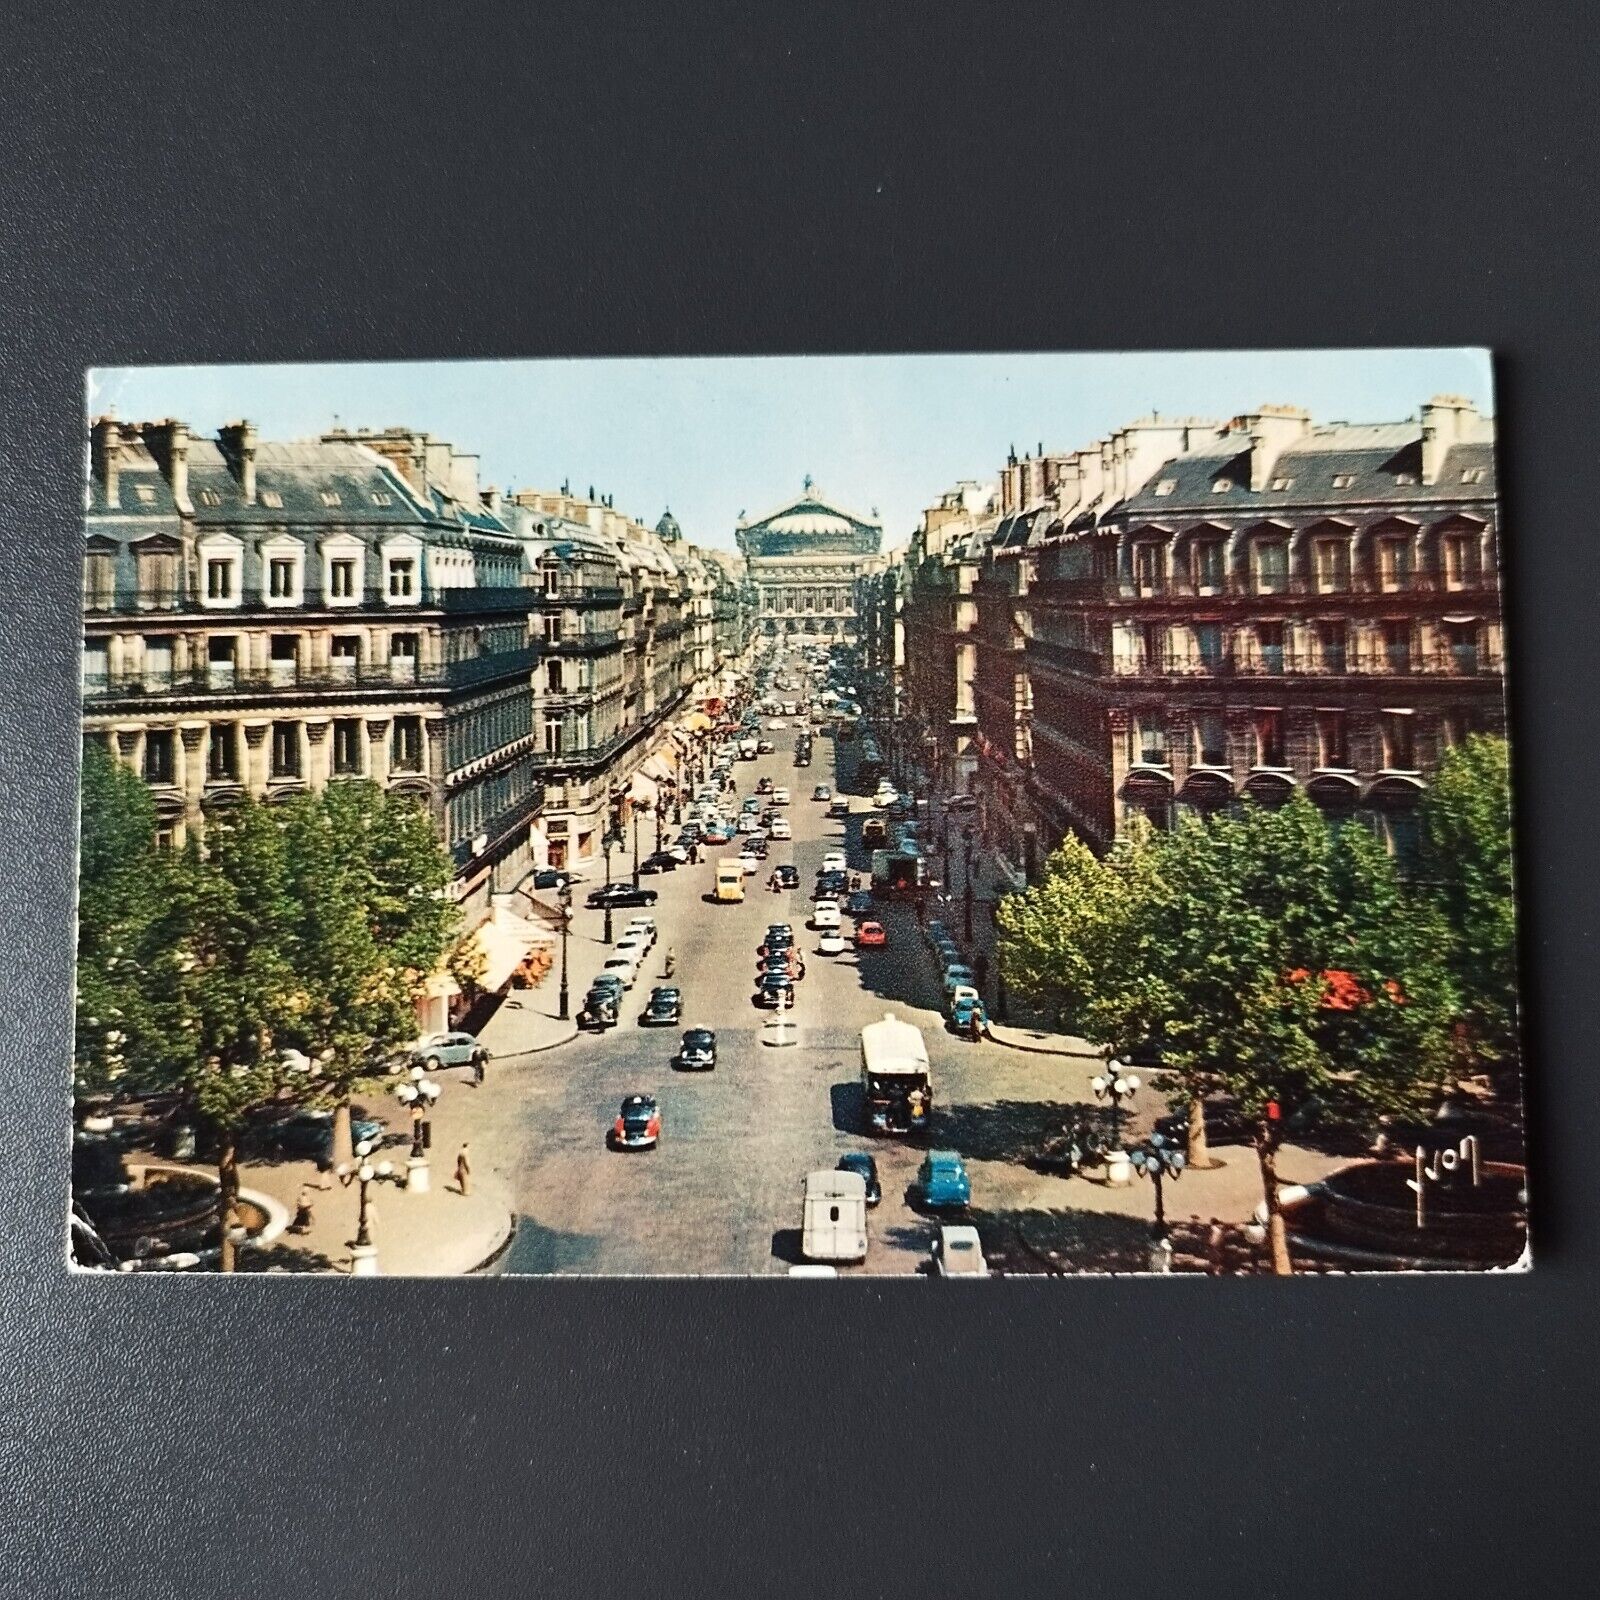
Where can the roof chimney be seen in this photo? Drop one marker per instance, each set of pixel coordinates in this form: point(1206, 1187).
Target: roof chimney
point(1444, 423)
point(168, 442)
point(491, 501)
point(105, 457)
point(1272, 430)
point(239, 440)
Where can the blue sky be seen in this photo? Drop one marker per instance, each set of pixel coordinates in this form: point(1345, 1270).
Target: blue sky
point(713, 437)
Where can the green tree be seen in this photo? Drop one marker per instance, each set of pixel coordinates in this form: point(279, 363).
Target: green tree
point(1466, 832)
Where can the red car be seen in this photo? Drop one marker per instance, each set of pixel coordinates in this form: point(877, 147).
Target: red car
point(870, 935)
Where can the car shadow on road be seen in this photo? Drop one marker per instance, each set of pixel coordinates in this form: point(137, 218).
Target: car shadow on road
point(536, 1249)
point(849, 1106)
point(786, 1246)
point(1062, 1240)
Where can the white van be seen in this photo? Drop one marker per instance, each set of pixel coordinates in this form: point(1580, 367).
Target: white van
point(834, 1224)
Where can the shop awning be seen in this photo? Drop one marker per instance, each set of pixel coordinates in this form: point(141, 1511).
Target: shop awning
point(697, 722)
point(642, 791)
point(658, 767)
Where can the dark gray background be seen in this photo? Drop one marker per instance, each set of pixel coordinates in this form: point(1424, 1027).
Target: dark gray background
point(302, 183)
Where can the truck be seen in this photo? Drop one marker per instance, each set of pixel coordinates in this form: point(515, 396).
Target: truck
point(833, 1223)
point(896, 1083)
point(898, 872)
point(730, 881)
point(874, 833)
point(749, 748)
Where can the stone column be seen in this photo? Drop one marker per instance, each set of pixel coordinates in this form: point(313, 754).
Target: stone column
point(318, 751)
point(255, 758)
point(191, 773)
point(1180, 746)
point(1241, 736)
point(130, 748)
point(434, 764)
point(378, 750)
point(1117, 724)
point(1300, 742)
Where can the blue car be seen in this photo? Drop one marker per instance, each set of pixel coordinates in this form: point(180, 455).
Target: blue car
point(942, 1182)
point(961, 1013)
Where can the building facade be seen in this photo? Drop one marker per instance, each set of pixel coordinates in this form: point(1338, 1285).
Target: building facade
point(804, 561)
point(266, 618)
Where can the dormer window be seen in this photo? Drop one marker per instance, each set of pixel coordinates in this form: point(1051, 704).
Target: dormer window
point(210, 497)
point(271, 497)
point(1222, 485)
point(1343, 480)
point(382, 497)
point(1166, 486)
point(1472, 475)
point(146, 494)
point(1281, 484)
point(330, 497)
point(1405, 477)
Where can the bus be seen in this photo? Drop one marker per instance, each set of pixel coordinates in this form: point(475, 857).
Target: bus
point(896, 1085)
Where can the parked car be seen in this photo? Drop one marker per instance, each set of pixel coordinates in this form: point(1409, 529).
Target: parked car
point(934, 930)
point(775, 942)
point(942, 1182)
point(698, 1052)
point(947, 953)
point(822, 792)
point(781, 828)
point(449, 1050)
point(871, 936)
point(957, 1252)
point(958, 975)
point(620, 894)
point(551, 878)
point(660, 861)
point(788, 876)
point(831, 886)
point(780, 796)
point(642, 926)
point(665, 1005)
point(766, 747)
point(839, 808)
point(964, 1005)
point(830, 942)
point(623, 967)
point(599, 1009)
point(860, 902)
point(825, 914)
point(638, 1124)
point(862, 1163)
point(835, 861)
point(309, 1133)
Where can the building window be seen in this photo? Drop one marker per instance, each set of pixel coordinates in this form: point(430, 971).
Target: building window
point(1207, 562)
point(283, 578)
point(330, 497)
point(222, 754)
point(1332, 560)
point(552, 627)
point(344, 657)
point(1208, 644)
point(1461, 646)
point(1152, 646)
point(147, 494)
point(405, 745)
point(1331, 640)
point(1269, 641)
point(1333, 740)
point(1343, 480)
point(158, 756)
point(285, 749)
point(1272, 566)
point(1147, 568)
point(349, 743)
point(402, 578)
point(1222, 485)
point(166, 835)
point(96, 663)
point(271, 498)
point(1148, 740)
point(219, 578)
point(1405, 478)
point(99, 580)
point(1397, 646)
point(158, 661)
point(403, 657)
point(1394, 564)
point(342, 578)
point(285, 658)
point(221, 663)
point(381, 497)
point(209, 497)
point(552, 736)
point(1166, 486)
point(1210, 739)
point(552, 580)
point(1268, 729)
point(158, 578)
point(553, 677)
point(1460, 552)
point(1398, 752)
point(1472, 475)
point(1281, 485)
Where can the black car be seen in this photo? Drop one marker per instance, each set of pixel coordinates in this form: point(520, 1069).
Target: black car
point(698, 1052)
point(830, 885)
point(665, 1005)
point(860, 1162)
point(620, 894)
point(839, 808)
point(775, 989)
point(660, 861)
point(788, 876)
point(860, 903)
point(551, 878)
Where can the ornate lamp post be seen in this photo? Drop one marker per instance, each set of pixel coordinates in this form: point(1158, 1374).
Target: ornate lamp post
point(635, 810)
point(418, 1093)
point(1116, 1085)
point(364, 1254)
point(1158, 1160)
point(607, 845)
point(566, 926)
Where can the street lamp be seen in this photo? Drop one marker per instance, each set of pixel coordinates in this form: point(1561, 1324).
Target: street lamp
point(364, 1254)
point(418, 1093)
point(1157, 1160)
point(1116, 1086)
point(566, 925)
point(635, 811)
point(607, 845)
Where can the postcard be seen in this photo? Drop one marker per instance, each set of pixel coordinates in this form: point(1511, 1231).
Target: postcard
point(962, 816)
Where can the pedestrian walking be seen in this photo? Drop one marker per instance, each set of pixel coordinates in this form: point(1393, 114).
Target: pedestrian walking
point(302, 1210)
point(463, 1172)
point(478, 1063)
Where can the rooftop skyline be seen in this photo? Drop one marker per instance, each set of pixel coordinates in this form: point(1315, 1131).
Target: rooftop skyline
point(716, 438)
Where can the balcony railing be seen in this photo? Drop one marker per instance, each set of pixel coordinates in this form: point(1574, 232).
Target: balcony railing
point(1185, 586)
point(1361, 661)
point(454, 602)
point(338, 678)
